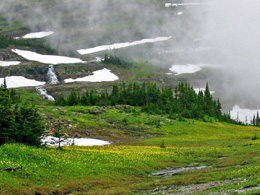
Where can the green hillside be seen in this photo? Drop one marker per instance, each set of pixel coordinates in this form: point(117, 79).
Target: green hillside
point(164, 138)
point(139, 147)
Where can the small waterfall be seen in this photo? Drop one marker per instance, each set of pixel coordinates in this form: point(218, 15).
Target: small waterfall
point(52, 77)
point(43, 93)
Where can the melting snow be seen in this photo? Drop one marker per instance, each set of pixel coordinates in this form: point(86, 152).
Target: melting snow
point(9, 63)
point(121, 45)
point(47, 59)
point(243, 115)
point(98, 76)
point(19, 81)
point(53, 141)
point(37, 35)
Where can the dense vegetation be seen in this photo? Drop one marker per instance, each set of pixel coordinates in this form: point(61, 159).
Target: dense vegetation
point(18, 123)
point(184, 102)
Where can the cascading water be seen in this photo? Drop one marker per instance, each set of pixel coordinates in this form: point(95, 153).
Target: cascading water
point(43, 93)
point(52, 77)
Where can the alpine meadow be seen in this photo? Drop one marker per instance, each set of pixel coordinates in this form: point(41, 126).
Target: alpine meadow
point(121, 97)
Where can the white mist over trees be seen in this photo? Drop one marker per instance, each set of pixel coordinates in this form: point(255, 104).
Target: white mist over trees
point(234, 28)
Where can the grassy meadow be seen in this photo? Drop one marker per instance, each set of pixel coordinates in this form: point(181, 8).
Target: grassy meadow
point(140, 146)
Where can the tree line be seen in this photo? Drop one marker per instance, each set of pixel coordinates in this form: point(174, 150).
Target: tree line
point(19, 123)
point(182, 101)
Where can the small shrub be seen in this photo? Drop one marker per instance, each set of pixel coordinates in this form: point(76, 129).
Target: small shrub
point(162, 145)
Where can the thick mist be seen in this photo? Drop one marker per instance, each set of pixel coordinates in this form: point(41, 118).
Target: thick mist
point(80, 24)
point(233, 27)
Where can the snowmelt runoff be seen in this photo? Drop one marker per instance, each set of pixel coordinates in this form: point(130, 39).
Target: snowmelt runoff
point(46, 59)
point(98, 76)
point(121, 45)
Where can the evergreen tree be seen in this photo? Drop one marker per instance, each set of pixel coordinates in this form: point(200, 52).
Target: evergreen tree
point(29, 126)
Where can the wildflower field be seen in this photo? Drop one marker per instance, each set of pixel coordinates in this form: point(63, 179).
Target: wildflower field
point(229, 152)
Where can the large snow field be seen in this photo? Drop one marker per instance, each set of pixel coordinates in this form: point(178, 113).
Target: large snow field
point(243, 115)
point(46, 59)
point(121, 45)
point(37, 35)
point(53, 141)
point(20, 81)
point(9, 63)
point(98, 76)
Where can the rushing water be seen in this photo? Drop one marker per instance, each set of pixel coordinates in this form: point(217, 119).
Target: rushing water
point(52, 77)
point(43, 93)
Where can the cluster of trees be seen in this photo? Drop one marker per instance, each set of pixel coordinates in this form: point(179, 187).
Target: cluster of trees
point(182, 101)
point(18, 123)
point(6, 41)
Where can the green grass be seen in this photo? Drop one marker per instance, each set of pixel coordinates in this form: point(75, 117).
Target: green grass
point(123, 169)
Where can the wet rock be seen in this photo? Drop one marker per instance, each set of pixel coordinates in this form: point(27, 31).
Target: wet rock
point(96, 112)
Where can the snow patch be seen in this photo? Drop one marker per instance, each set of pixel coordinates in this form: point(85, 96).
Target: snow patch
point(243, 115)
point(37, 35)
point(185, 69)
point(121, 45)
point(9, 63)
point(190, 68)
point(47, 59)
point(98, 76)
point(53, 141)
point(20, 81)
